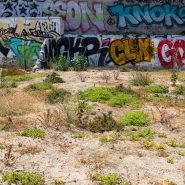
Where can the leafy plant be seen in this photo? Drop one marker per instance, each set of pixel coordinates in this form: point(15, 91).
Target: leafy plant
point(23, 178)
point(179, 90)
point(170, 160)
point(57, 96)
point(79, 135)
point(39, 86)
point(141, 79)
point(34, 133)
point(138, 118)
point(103, 123)
point(58, 182)
point(106, 139)
point(172, 143)
point(7, 84)
point(174, 77)
point(109, 179)
point(60, 64)
point(148, 144)
point(157, 89)
point(180, 152)
point(80, 63)
point(54, 78)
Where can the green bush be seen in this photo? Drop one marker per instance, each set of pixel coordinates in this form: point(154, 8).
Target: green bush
point(117, 96)
point(109, 179)
point(60, 64)
point(7, 84)
point(138, 118)
point(23, 178)
point(34, 133)
point(57, 96)
point(141, 79)
point(54, 78)
point(80, 63)
point(157, 89)
point(179, 90)
point(39, 86)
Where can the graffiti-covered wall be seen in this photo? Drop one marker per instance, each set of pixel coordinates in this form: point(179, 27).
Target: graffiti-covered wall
point(105, 16)
point(107, 50)
point(23, 37)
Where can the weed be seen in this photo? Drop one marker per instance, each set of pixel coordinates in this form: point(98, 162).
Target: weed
point(7, 84)
point(170, 160)
point(106, 139)
point(39, 86)
point(58, 182)
point(105, 76)
point(60, 64)
point(125, 69)
point(116, 97)
point(138, 118)
point(109, 179)
point(180, 152)
point(179, 90)
point(162, 135)
point(148, 144)
point(160, 146)
point(23, 178)
point(157, 89)
point(174, 77)
point(80, 63)
point(79, 135)
point(143, 133)
point(103, 123)
point(172, 143)
point(57, 96)
point(34, 133)
point(54, 78)
point(116, 75)
point(141, 79)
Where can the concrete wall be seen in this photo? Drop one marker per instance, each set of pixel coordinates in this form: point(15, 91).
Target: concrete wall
point(105, 16)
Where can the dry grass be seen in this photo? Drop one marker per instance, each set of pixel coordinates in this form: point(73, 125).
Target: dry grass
point(11, 71)
point(29, 150)
point(16, 103)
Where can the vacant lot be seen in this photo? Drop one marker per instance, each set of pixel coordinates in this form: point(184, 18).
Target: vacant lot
point(93, 127)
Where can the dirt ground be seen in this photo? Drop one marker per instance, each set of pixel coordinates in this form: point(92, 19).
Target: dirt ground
point(73, 160)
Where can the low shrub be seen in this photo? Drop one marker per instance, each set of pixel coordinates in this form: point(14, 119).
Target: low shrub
point(39, 86)
point(34, 133)
point(23, 178)
point(60, 64)
point(141, 79)
point(7, 84)
point(138, 118)
point(57, 96)
point(80, 63)
point(157, 89)
point(109, 179)
point(54, 78)
point(179, 90)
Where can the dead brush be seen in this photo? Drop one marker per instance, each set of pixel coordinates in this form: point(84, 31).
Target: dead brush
point(29, 150)
point(82, 77)
point(9, 159)
point(106, 77)
point(116, 75)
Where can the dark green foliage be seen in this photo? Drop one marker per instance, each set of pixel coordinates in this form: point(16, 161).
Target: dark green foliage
point(39, 86)
point(54, 78)
point(60, 64)
point(23, 178)
point(179, 90)
point(104, 123)
point(80, 63)
point(7, 84)
point(57, 96)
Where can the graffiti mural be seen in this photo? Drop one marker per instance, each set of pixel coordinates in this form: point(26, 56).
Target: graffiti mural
point(123, 51)
point(31, 28)
point(171, 53)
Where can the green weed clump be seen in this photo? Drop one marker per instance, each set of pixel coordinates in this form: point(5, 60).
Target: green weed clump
point(60, 64)
point(54, 78)
point(141, 79)
point(34, 133)
point(7, 84)
point(138, 118)
point(157, 89)
point(57, 96)
point(80, 63)
point(23, 178)
point(39, 86)
point(115, 97)
point(109, 179)
point(179, 90)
